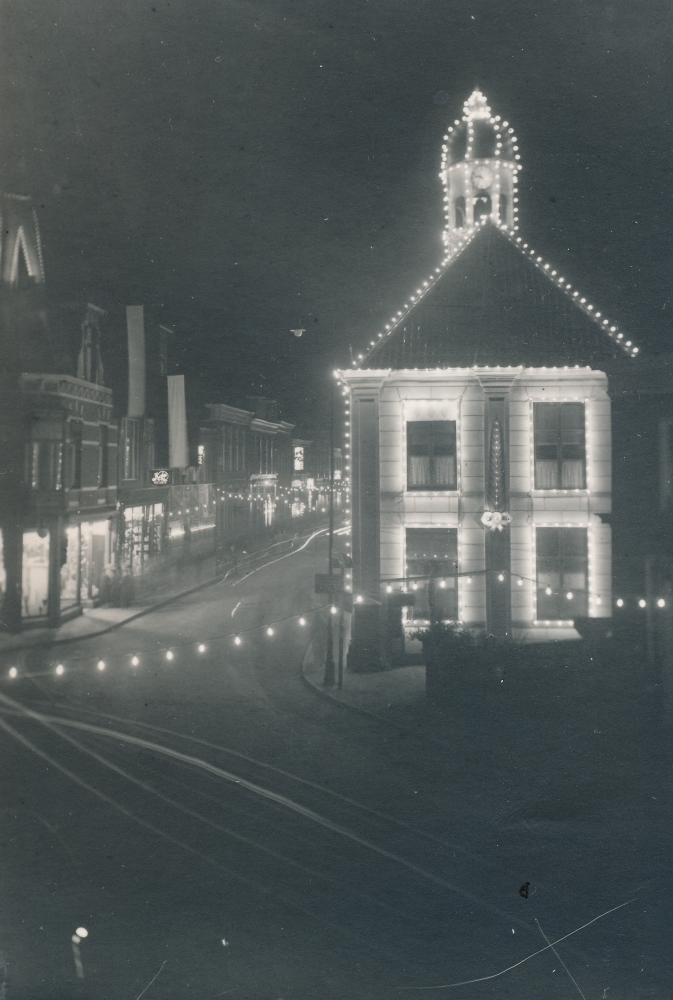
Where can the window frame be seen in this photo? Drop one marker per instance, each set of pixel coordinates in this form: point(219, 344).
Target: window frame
point(578, 608)
point(75, 453)
point(432, 486)
point(450, 592)
point(559, 444)
point(131, 445)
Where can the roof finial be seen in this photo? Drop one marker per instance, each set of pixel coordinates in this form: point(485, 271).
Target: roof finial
point(475, 106)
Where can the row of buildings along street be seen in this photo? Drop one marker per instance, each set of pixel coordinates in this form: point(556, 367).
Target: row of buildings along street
point(112, 487)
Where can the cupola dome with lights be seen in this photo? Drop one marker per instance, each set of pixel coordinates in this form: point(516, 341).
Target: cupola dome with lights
point(480, 163)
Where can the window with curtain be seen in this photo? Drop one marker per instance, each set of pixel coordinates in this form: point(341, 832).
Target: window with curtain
point(431, 565)
point(431, 455)
point(560, 453)
point(562, 573)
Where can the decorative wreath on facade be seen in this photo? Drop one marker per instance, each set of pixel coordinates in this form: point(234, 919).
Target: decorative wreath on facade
point(496, 520)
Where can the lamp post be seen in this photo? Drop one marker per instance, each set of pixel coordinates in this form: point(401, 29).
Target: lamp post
point(329, 654)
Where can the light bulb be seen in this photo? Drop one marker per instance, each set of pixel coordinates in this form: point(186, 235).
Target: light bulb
point(134, 661)
point(101, 664)
point(202, 648)
point(59, 669)
point(169, 655)
point(302, 621)
point(13, 671)
point(620, 602)
point(237, 640)
point(269, 631)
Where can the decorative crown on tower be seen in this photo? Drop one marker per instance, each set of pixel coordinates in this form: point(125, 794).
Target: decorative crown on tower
point(476, 107)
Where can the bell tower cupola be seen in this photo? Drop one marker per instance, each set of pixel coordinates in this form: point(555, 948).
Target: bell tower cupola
point(480, 165)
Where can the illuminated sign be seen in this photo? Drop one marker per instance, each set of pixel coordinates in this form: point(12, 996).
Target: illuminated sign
point(299, 458)
point(160, 477)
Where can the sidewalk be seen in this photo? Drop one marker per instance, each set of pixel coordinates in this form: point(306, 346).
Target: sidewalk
point(92, 621)
point(394, 696)
point(96, 621)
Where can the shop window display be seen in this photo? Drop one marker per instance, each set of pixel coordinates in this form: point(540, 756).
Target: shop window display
point(35, 577)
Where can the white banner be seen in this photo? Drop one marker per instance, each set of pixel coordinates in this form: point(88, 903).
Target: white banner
point(177, 423)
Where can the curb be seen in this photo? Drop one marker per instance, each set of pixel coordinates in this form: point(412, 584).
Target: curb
point(325, 694)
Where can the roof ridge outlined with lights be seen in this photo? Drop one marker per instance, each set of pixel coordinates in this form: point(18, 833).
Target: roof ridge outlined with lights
point(463, 316)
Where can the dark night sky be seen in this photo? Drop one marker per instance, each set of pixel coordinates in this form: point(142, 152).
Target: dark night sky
point(254, 166)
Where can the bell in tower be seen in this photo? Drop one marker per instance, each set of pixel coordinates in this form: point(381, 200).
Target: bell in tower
point(480, 164)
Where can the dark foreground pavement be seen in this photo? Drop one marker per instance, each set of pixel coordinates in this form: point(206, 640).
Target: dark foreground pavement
point(210, 819)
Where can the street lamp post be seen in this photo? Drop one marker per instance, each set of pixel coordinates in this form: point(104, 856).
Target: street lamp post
point(329, 654)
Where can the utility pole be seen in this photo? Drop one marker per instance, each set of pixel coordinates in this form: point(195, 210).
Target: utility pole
point(329, 655)
point(340, 672)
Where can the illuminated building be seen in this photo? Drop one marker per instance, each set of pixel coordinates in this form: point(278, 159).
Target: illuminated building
point(481, 426)
point(57, 447)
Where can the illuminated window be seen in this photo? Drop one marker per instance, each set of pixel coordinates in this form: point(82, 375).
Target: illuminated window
point(130, 448)
point(561, 569)
point(560, 456)
point(460, 212)
point(431, 455)
point(45, 456)
point(75, 455)
point(432, 557)
point(298, 458)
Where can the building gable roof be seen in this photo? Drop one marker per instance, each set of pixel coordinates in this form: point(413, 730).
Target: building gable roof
point(495, 303)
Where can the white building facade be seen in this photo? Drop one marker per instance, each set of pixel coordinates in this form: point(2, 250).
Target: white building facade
point(480, 427)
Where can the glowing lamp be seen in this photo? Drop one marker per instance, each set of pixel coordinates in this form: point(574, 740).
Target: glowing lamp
point(59, 669)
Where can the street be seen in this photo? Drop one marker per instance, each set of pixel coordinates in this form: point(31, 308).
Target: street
point(211, 821)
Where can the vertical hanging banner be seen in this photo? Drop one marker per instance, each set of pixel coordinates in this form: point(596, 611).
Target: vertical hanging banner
point(177, 423)
point(135, 324)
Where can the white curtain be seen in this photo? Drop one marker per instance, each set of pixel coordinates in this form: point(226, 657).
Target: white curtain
point(546, 474)
point(572, 474)
point(444, 470)
point(419, 470)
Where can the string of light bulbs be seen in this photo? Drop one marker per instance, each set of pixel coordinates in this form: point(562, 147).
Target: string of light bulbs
point(168, 653)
